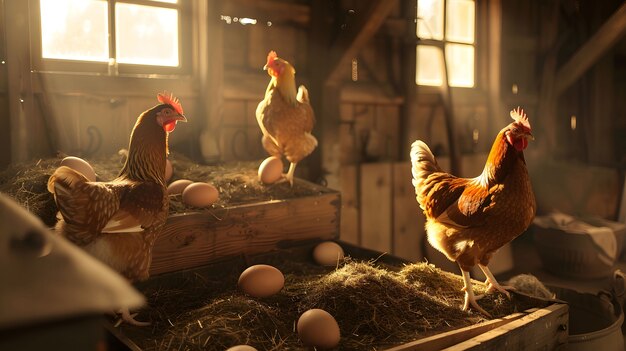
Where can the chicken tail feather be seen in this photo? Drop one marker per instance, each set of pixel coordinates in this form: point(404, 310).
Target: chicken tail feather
point(296, 152)
point(73, 193)
point(423, 164)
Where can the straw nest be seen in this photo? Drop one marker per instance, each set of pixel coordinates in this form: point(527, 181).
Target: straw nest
point(236, 182)
point(376, 307)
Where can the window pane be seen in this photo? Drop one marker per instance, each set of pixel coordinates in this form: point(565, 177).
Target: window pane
point(460, 21)
point(146, 35)
point(430, 19)
point(429, 70)
point(460, 65)
point(74, 30)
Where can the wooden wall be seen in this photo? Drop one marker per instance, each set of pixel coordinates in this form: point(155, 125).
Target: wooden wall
point(368, 114)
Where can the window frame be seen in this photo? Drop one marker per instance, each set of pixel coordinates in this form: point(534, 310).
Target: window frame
point(441, 45)
point(41, 64)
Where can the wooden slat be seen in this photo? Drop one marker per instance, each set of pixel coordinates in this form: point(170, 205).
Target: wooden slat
point(376, 220)
point(350, 41)
point(604, 39)
point(453, 337)
point(544, 329)
point(269, 10)
point(408, 220)
point(348, 177)
point(195, 239)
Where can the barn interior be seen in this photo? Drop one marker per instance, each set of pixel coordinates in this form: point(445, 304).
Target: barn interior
point(380, 74)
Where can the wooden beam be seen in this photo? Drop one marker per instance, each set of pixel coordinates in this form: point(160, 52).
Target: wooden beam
point(20, 95)
point(604, 39)
point(350, 41)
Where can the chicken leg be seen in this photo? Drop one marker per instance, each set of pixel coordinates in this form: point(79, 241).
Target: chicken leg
point(470, 299)
point(290, 172)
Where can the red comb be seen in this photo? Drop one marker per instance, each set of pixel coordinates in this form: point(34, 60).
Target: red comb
point(520, 117)
point(169, 99)
point(271, 56)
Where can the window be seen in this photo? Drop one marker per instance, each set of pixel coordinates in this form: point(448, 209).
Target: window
point(445, 26)
point(97, 35)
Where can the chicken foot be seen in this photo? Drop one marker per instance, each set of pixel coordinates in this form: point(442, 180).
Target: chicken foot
point(125, 316)
point(470, 298)
point(492, 283)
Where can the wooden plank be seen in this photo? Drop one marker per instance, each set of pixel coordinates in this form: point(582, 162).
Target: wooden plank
point(544, 329)
point(350, 232)
point(376, 206)
point(453, 337)
point(195, 239)
point(351, 40)
point(408, 220)
point(588, 54)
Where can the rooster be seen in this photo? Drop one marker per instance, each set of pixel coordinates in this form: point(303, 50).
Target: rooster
point(118, 221)
point(285, 116)
point(468, 220)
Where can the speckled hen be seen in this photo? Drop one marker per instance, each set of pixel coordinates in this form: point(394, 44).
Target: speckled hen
point(118, 221)
point(468, 220)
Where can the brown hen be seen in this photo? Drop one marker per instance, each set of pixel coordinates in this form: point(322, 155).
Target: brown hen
point(118, 221)
point(468, 220)
point(285, 116)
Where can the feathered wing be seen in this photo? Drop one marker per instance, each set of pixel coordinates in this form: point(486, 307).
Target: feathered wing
point(85, 206)
point(91, 208)
point(287, 129)
point(453, 201)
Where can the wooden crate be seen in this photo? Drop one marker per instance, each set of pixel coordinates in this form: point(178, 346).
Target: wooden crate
point(534, 329)
point(543, 328)
point(198, 238)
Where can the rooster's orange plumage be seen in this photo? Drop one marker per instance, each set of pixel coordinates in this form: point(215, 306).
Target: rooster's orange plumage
point(468, 220)
point(285, 115)
point(118, 221)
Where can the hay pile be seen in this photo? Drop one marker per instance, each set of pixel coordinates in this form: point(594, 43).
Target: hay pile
point(236, 182)
point(375, 306)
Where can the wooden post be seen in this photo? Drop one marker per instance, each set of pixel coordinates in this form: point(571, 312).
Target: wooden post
point(21, 98)
point(210, 67)
point(326, 113)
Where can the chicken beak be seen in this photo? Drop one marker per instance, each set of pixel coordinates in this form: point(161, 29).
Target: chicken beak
point(265, 67)
point(180, 118)
point(529, 136)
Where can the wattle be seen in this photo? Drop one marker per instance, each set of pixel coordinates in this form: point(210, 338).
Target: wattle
point(169, 126)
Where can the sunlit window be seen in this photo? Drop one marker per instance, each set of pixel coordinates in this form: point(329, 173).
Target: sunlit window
point(146, 35)
point(146, 32)
point(75, 30)
point(445, 26)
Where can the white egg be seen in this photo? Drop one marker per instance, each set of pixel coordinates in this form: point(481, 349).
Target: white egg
point(200, 194)
point(328, 253)
point(80, 165)
point(168, 170)
point(319, 329)
point(261, 280)
point(270, 170)
point(241, 348)
point(178, 186)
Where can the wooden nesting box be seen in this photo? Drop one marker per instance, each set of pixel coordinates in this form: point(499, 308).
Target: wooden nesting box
point(542, 328)
point(198, 238)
